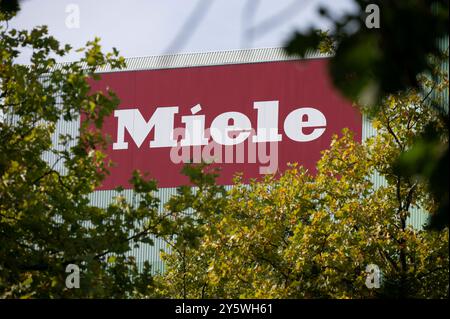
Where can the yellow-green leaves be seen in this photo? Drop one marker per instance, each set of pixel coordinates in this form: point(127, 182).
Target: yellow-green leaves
point(308, 236)
point(46, 218)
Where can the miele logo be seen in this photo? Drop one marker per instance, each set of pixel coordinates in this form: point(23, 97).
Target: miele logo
point(224, 141)
point(248, 119)
point(229, 128)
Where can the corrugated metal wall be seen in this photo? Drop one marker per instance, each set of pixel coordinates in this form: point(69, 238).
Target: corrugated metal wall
point(418, 216)
point(444, 45)
point(145, 252)
point(102, 198)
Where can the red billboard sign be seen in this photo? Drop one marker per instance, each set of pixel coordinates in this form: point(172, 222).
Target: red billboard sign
point(250, 118)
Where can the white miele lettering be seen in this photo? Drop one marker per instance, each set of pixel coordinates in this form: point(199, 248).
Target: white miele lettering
point(229, 128)
point(195, 128)
point(267, 122)
point(162, 120)
point(222, 130)
point(304, 117)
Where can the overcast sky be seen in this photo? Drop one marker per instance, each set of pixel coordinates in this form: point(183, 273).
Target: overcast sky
point(154, 27)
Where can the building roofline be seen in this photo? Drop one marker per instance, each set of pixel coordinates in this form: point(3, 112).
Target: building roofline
point(211, 58)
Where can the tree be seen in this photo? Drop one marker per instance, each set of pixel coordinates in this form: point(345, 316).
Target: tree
point(372, 60)
point(312, 236)
point(46, 219)
point(10, 6)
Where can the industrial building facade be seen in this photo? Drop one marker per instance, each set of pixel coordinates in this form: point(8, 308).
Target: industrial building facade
point(261, 96)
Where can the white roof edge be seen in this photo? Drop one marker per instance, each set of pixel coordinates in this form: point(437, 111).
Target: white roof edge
point(212, 58)
point(197, 59)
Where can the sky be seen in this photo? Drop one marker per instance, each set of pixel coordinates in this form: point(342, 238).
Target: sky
point(156, 27)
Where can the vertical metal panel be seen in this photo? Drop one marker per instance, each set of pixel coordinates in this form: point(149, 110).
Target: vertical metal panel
point(145, 252)
point(418, 216)
point(444, 45)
